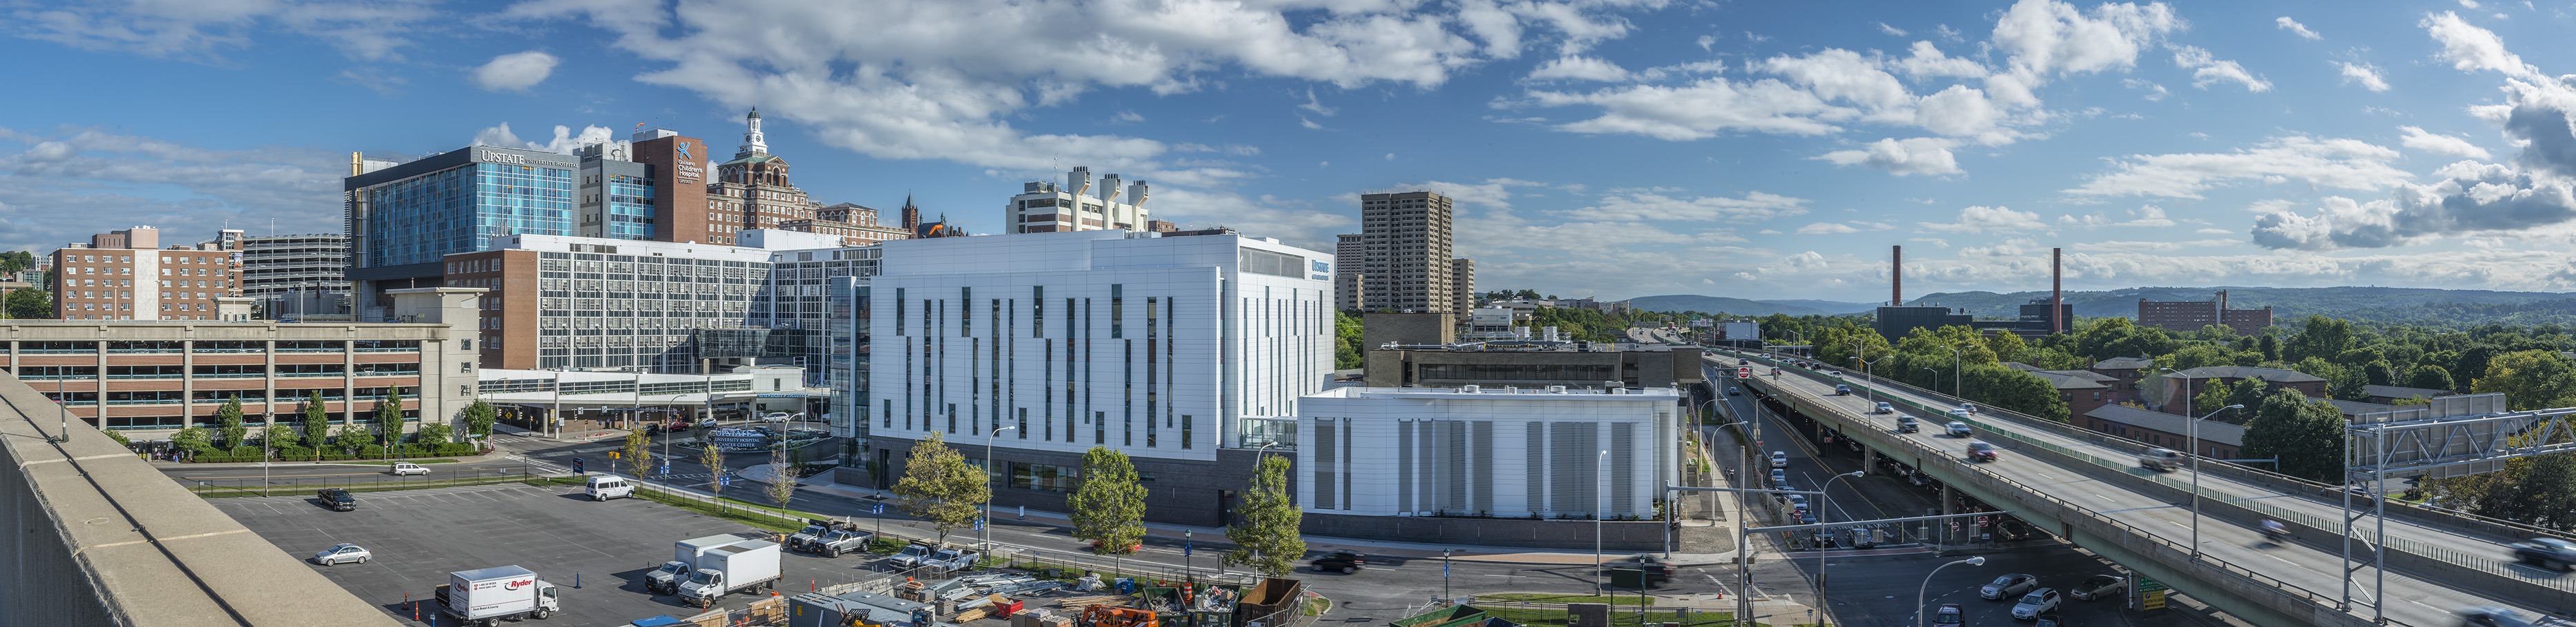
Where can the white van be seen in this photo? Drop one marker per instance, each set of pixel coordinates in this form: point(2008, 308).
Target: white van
point(603, 488)
point(407, 468)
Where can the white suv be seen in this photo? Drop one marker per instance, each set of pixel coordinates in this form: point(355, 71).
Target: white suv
point(1779, 459)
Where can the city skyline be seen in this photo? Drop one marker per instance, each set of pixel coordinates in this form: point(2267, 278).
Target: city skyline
point(1749, 151)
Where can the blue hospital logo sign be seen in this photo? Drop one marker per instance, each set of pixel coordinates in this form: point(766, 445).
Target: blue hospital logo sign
point(684, 150)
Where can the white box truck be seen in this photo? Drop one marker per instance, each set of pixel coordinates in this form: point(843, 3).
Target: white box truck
point(744, 565)
point(481, 597)
point(684, 558)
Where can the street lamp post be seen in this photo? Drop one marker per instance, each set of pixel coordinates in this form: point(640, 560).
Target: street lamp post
point(1919, 614)
point(988, 485)
point(1936, 379)
point(271, 419)
point(2194, 436)
point(1824, 506)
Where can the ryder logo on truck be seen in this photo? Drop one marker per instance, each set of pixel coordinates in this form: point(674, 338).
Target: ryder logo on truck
point(515, 584)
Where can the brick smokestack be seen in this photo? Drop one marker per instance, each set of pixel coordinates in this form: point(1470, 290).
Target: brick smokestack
point(2057, 290)
point(1896, 288)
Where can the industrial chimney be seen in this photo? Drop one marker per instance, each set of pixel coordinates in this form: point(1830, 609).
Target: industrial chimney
point(1896, 288)
point(2057, 290)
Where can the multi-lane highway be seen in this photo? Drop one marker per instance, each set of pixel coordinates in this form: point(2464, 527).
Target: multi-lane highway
point(2312, 563)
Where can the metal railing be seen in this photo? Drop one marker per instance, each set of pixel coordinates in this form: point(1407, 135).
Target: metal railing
point(2065, 511)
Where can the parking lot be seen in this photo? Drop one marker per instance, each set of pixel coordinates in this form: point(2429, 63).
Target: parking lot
point(418, 536)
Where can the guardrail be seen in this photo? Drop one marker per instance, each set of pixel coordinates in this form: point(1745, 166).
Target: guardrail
point(2285, 597)
point(2490, 528)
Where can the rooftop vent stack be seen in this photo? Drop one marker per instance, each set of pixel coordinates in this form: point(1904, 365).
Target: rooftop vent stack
point(2057, 290)
point(1548, 333)
point(1896, 288)
point(1079, 180)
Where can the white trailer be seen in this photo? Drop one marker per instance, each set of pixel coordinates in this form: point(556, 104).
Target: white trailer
point(744, 565)
point(481, 597)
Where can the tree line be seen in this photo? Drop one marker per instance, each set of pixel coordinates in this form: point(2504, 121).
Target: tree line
point(941, 487)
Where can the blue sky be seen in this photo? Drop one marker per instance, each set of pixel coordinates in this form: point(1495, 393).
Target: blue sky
point(1607, 148)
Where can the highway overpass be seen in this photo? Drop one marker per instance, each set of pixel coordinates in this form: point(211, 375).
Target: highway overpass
point(2086, 487)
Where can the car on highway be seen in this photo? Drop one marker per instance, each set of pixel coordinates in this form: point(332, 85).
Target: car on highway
point(343, 553)
point(1907, 424)
point(1958, 429)
point(2493, 617)
point(407, 468)
point(1779, 475)
point(1970, 408)
point(2041, 601)
point(1842, 390)
point(1981, 452)
point(1734, 392)
point(2551, 553)
point(1345, 562)
point(1780, 483)
point(2006, 586)
point(1797, 502)
point(338, 500)
point(1779, 459)
point(2098, 587)
point(1883, 408)
point(1658, 572)
point(1950, 614)
point(2159, 459)
point(776, 416)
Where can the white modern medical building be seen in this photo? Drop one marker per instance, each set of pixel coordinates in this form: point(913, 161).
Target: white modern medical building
point(1487, 451)
point(1169, 349)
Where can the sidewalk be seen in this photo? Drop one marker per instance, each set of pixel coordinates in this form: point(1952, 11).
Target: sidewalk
point(1499, 555)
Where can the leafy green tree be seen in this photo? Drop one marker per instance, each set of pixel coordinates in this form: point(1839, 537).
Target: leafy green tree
point(1347, 352)
point(479, 418)
point(1110, 505)
point(940, 487)
point(2379, 373)
point(2306, 435)
point(228, 424)
point(782, 482)
point(2006, 346)
point(389, 417)
point(434, 433)
point(2429, 376)
point(29, 305)
point(638, 454)
point(279, 435)
point(192, 438)
point(2531, 379)
point(1265, 528)
point(712, 457)
point(317, 422)
point(2270, 346)
point(14, 261)
point(2319, 336)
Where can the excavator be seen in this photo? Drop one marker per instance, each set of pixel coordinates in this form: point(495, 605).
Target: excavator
point(1106, 616)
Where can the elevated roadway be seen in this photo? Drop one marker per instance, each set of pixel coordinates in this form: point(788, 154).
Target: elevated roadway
point(2086, 487)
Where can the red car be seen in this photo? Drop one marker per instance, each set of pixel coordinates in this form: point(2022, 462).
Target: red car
point(1981, 452)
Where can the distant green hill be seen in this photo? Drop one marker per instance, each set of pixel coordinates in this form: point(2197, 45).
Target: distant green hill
point(2369, 304)
point(1743, 307)
point(2437, 307)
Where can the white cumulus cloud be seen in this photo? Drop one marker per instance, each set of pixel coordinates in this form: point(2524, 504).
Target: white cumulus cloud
point(2447, 145)
point(2206, 69)
point(2343, 163)
point(515, 71)
point(1981, 218)
point(2294, 26)
point(2365, 74)
point(1919, 155)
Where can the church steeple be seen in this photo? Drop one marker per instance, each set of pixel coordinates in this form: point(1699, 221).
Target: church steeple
point(752, 141)
point(911, 214)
